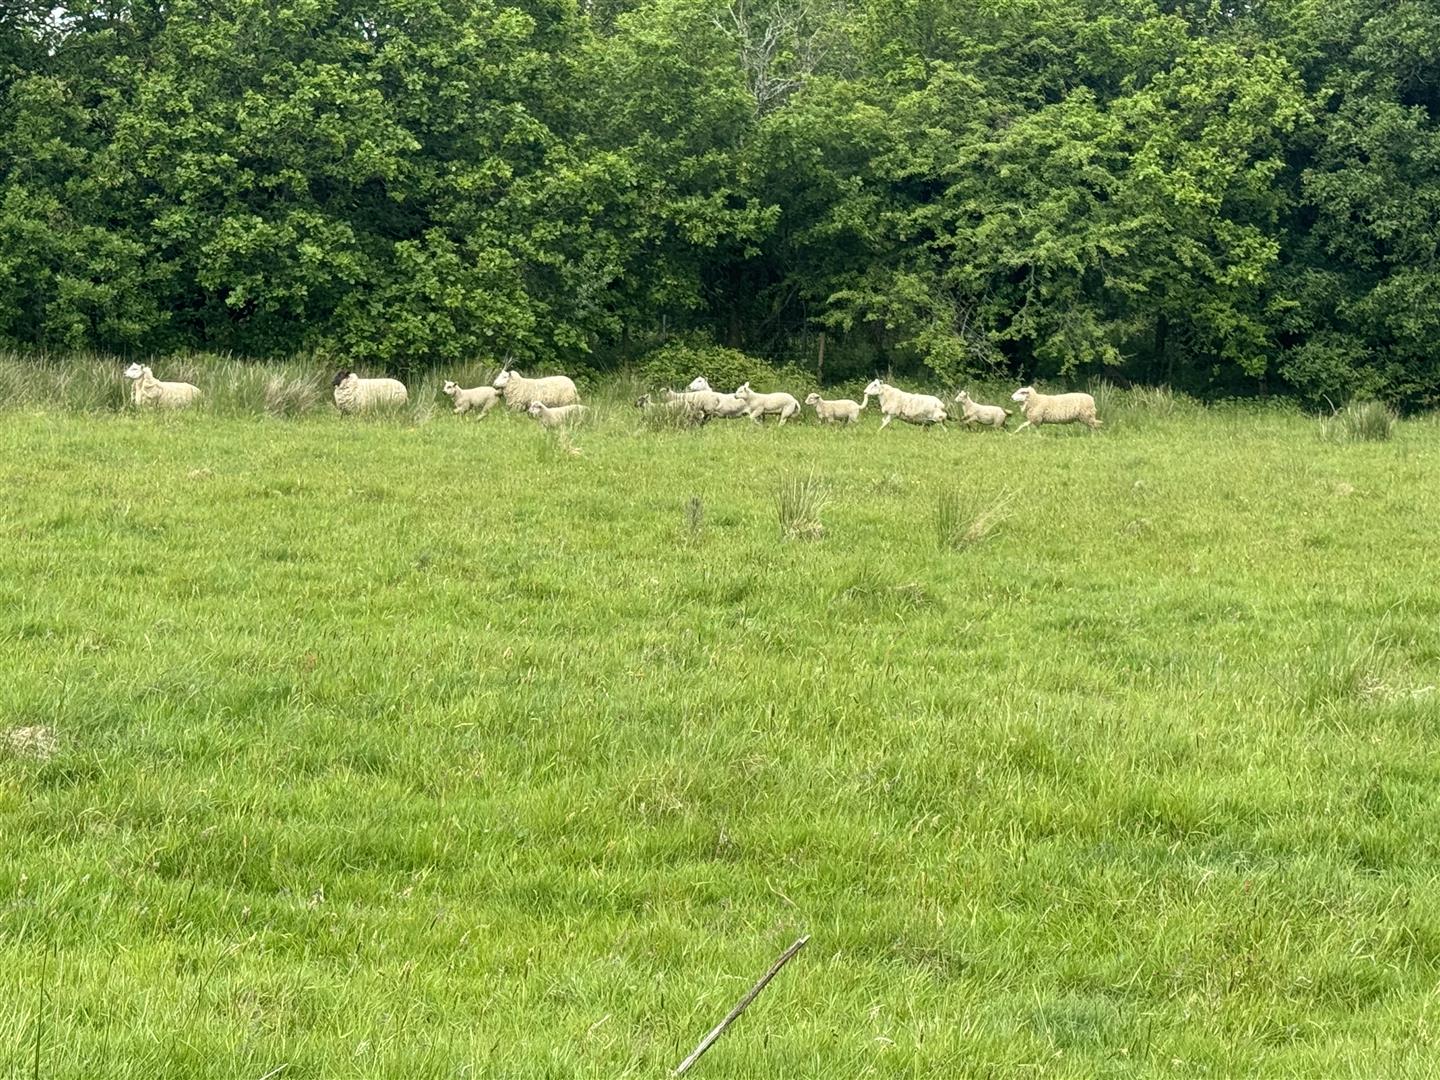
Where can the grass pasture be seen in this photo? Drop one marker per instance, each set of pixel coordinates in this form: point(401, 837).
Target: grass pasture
point(421, 747)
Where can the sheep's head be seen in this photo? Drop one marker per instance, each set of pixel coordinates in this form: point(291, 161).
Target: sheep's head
point(812, 399)
point(502, 380)
point(963, 397)
point(134, 371)
point(450, 389)
point(743, 390)
point(535, 409)
point(698, 383)
point(874, 388)
point(344, 375)
point(1023, 394)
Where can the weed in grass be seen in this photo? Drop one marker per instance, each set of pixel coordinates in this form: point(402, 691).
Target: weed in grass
point(800, 501)
point(694, 518)
point(1366, 421)
point(292, 395)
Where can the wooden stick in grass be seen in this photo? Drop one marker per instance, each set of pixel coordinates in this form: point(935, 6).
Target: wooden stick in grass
point(740, 1006)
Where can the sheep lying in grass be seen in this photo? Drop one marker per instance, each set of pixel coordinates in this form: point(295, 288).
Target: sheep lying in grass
point(520, 392)
point(150, 393)
point(839, 411)
point(559, 416)
point(972, 412)
point(761, 405)
point(912, 408)
point(477, 397)
point(1054, 408)
point(354, 394)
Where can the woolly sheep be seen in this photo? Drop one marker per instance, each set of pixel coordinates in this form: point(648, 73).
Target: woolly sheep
point(838, 411)
point(710, 402)
point(519, 392)
point(354, 394)
point(478, 397)
point(1054, 408)
point(912, 408)
point(761, 405)
point(972, 412)
point(676, 406)
point(150, 393)
point(559, 416)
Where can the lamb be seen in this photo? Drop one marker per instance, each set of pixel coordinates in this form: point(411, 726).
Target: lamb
point(677, 405)
point(150, 393)
point(972, 412)
point(710, 402)
point(840, 411)
point(354, 394)
point(519, 392)
point(1054, 408)
point(912, 408)
point(559, 416)
point(478, 397)
point(761, 405)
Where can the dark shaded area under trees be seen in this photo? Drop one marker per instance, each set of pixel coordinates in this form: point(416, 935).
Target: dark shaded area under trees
point(1228, 198)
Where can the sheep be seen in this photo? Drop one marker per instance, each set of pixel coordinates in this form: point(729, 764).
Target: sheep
point(677, 406)
point(710, 402)
point(1054, 408)
point(761, 405)
point(519, 392)
point(354, 394)
point(559, 416)
point(972, 412)
point(150, 393)
point(912, 408)
point(839, 411)
point(478, 397)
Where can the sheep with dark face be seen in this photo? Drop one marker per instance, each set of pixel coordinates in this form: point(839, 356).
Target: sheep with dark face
point(354, 394)
point(149, 392)
point(1054, 409)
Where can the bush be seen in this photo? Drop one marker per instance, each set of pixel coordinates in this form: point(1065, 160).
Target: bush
point(676, 363)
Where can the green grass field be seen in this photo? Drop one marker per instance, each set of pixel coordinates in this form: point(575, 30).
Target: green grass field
point(422, 747)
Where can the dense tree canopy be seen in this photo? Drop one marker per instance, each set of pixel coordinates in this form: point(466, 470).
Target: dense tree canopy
point(1226, 197)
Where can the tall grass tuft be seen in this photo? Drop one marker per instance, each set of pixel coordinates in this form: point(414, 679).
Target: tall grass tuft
point(694, 518)
point(956, 528)
point(292, 395)
point(1365, 421)
point(800, 501)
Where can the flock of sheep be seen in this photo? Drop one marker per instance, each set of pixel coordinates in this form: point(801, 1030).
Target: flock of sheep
point(554, 402)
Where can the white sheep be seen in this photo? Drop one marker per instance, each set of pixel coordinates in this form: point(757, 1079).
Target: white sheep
point(912, 408)
point(354, 394)
point(477, 397)
point(710, 402)
point(1054, 408)
point(149, 392)
point(972, 412)
point(559, 416)
point(519, 392)
point(839, 411)
point(761, 405)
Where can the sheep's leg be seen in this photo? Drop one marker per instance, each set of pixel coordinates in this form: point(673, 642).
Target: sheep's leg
point(1021, 428)
point(886, 421)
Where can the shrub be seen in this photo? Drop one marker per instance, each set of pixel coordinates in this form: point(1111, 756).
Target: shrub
point(676, 363)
